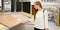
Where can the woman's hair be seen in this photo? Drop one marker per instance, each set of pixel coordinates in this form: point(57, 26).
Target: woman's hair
point(39, 3)
point(35, 10)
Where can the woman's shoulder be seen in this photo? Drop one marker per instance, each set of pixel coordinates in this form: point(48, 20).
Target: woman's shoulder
point(44, 10)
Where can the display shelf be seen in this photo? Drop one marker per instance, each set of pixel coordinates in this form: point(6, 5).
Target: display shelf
point(55, 1)
point(7, 5)
point(56, 17)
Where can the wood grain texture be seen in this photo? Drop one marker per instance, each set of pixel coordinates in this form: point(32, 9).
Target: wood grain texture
point(8, 20)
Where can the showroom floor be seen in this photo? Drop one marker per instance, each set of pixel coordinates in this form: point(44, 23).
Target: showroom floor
point(52, 26)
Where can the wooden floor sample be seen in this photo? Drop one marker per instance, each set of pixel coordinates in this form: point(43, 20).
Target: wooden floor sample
point(8, 20)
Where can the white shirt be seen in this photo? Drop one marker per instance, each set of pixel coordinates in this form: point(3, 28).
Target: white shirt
point(41, 22)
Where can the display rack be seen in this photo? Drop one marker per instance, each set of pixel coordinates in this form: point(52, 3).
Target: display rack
point(57, 17)
point(55, 1)
point(48, 4)
point(7, 5)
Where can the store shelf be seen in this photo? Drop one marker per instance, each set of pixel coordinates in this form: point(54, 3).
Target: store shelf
point(49, 3)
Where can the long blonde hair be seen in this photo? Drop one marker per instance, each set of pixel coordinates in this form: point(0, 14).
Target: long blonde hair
point(39, 3)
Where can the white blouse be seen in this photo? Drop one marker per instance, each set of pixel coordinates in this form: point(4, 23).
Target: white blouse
point(41, 20)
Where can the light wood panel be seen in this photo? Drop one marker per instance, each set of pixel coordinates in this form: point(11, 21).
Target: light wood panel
point(8, 20)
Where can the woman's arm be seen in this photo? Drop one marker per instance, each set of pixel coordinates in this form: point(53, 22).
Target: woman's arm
point(46, 19)
point(28, 20)
point(32, 18)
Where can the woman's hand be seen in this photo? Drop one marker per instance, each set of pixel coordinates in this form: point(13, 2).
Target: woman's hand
point(46, 28)
point(24, 21)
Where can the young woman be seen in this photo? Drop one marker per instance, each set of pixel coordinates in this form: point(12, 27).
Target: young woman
point(41, 21)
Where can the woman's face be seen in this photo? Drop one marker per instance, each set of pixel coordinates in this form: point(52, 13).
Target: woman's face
point(35, 6)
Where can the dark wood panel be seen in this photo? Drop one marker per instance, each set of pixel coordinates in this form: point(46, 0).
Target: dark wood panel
point(18, 6)
point(12, 5)
point(26, 7)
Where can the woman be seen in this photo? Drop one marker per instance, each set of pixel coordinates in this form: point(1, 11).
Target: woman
point(41, 21)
